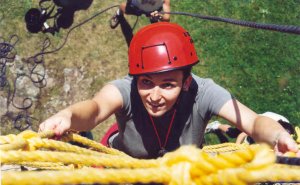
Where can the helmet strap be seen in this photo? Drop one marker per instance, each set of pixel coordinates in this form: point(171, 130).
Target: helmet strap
point(187, 83)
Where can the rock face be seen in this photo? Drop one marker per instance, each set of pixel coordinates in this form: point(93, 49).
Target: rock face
point(34, 87)
point(31, 89)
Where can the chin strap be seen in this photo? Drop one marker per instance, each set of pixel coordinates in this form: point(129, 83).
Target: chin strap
point(187, 83)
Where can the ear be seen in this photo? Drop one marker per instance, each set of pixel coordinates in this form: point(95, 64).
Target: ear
point(187, 83)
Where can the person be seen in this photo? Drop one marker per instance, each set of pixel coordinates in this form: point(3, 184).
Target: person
point(221, 129)
point(241, 137)
point(161, 105)
point(151, 8)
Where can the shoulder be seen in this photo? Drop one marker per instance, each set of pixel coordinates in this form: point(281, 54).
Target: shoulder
point(115, 90)
point(126, 86)
point(108, 99)
point(122, 83)
point(126, 79)
point(203, 83)
point(210, 96)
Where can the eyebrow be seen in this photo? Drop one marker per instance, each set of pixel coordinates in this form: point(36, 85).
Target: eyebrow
point(165, 80)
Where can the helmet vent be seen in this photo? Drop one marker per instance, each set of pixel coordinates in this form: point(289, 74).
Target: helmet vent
point(148, 51)
point(187, 34)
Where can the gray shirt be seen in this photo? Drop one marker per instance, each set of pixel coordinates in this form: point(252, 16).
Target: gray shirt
point(194, 109)
point(147, 6)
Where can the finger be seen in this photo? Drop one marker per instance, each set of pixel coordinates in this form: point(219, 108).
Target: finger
point(298, 153)
point(41, 127)
point(46, 126)
point(292, 146)
point(59, 131)
point(61, 128)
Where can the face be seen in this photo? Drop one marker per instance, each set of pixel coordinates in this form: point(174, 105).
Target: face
point(159, 92)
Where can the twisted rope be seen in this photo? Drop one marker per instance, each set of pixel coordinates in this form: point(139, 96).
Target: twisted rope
point(91, 144)
point(240, 164)
point(224, 147)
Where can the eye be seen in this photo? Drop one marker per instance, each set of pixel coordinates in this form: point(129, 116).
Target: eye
point(147, 82)
point(167, 85)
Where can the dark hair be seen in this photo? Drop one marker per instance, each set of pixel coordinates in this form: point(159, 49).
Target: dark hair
point(186, 72)
point(287, 126)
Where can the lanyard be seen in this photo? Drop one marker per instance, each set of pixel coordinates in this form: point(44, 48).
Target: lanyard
point(162, 150)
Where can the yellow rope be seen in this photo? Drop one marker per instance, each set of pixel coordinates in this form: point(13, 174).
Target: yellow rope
point(224, 147)
point(17, 143)
point(47, 165)
point(92, 144)
point(88, 176)
point(297, 130)
point(38, 143)
point(229, 164)
point(7, 139)
point(177, 167)
point(12, 157)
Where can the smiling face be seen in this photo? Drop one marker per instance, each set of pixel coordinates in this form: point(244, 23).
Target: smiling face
point(159, 92)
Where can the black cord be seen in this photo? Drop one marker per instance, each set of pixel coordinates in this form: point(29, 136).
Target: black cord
point(7, 54)
point(288, 160)
point(135, 23)
point(71, 29)
point(281, 28)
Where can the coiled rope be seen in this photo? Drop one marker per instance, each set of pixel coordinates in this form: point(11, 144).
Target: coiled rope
point(64, 163)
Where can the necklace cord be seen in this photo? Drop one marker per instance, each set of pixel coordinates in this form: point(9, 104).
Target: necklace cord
point(168, 133)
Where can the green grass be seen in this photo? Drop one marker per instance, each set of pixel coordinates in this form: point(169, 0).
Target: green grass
point(260, 67)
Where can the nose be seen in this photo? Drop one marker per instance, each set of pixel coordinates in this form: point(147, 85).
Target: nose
point(155, 94)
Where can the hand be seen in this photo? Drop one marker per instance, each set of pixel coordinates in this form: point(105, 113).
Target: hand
point(284, 143)
point(59, 123)
point(156, 16)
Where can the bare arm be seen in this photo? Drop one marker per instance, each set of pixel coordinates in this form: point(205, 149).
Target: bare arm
point(241, 137)
point(260, 128)
point(266, 129)
point(166, 8)
point(87, 114)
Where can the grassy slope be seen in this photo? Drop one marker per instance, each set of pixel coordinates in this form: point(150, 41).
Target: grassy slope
point(261, 68)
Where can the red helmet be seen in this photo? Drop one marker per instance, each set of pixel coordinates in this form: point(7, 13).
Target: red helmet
point(161, 47)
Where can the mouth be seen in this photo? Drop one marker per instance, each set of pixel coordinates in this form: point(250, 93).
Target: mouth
point(155, 105)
